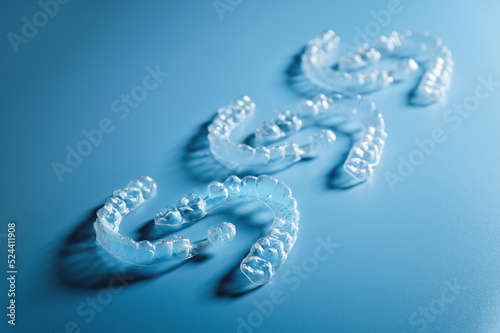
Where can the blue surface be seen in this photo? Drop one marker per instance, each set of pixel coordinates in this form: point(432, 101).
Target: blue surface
point(396, 247)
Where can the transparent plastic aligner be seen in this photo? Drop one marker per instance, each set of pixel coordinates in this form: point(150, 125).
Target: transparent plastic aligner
point(144, 252)
point(265, 256)
point(412, 47)
point(363, 156)
point(242, 156)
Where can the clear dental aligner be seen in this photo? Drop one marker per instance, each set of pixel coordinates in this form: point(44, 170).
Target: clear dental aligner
point(412, 47)
point(363, 156)
point(144, 252)
point(265, 256)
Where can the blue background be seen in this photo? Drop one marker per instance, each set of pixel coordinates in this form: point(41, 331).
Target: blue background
point(396, 248)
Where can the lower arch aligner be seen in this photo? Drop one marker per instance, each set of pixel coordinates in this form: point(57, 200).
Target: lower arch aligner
point(265, 256)
point(266, 156)
point(414, 49)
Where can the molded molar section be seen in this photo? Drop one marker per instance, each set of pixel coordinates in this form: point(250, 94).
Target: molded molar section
point(217, 195)
point(145, 184)
point(191, 207)
point(169, 215)
point(257, 270)
point(132, 197)
point(221, 234)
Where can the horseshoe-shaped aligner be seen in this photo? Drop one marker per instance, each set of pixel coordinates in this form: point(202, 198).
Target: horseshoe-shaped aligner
point(412, 46)
point(363, 156)
point(265, 256)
